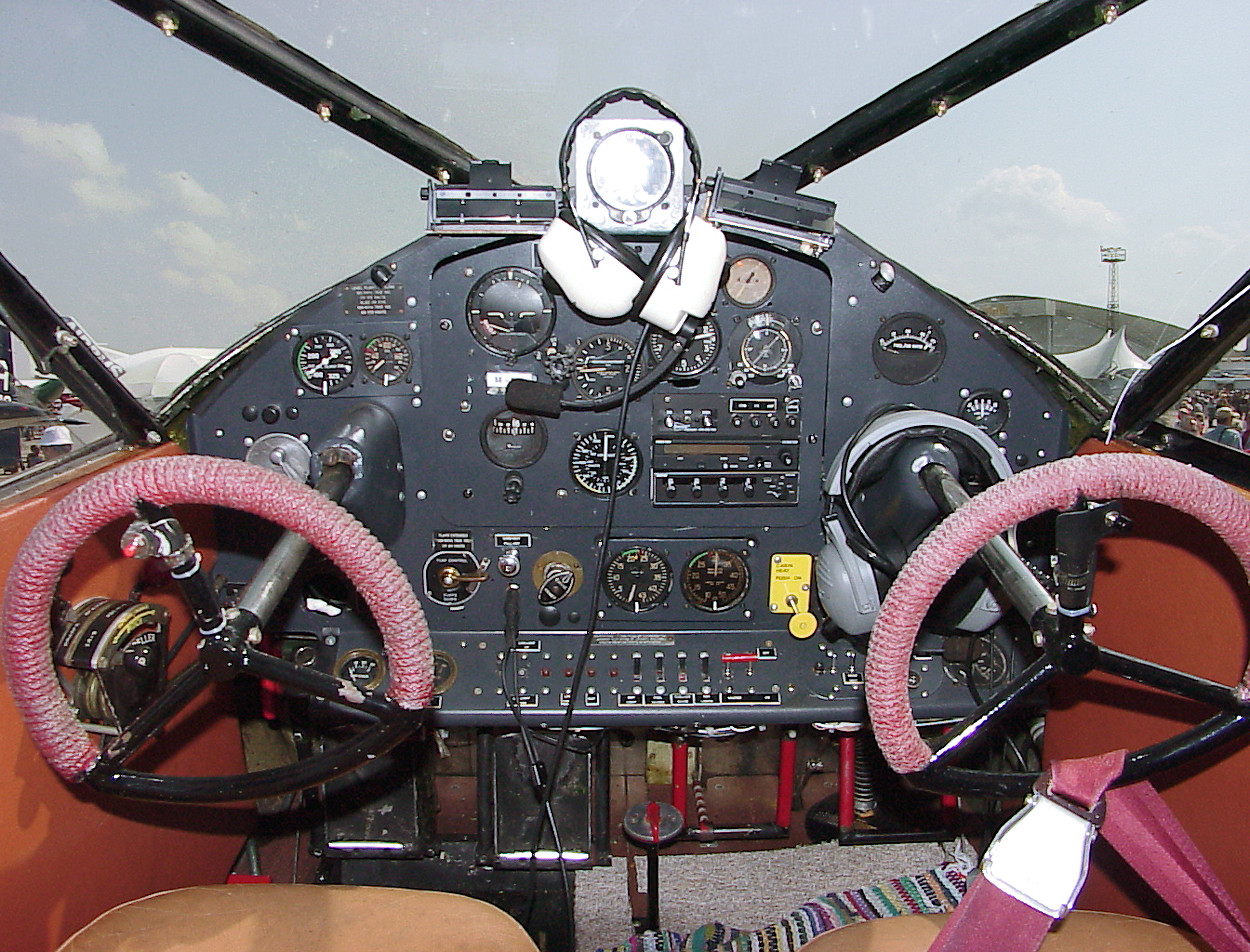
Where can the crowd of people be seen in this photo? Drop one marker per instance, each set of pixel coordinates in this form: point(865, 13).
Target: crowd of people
point(1221, 416)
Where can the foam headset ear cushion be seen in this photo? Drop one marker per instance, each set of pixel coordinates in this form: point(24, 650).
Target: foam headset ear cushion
point(602, 282)
point(675, 296)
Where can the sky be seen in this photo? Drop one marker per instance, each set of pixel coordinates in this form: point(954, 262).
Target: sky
point(162, 199)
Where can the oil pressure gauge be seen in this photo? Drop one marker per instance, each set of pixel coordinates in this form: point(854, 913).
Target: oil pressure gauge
point(387, 359)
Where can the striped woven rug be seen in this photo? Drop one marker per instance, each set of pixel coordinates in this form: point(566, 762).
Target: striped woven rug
point(938, 890)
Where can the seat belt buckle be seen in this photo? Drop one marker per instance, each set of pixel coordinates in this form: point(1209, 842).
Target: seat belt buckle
point(1041, 855)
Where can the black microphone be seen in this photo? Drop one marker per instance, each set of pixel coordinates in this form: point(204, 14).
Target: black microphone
point(530, 396)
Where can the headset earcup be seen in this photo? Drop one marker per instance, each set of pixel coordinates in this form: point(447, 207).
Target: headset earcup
point(690, 293)
point(602, 286)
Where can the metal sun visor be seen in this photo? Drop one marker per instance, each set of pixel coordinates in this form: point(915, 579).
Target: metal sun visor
point(770, 207)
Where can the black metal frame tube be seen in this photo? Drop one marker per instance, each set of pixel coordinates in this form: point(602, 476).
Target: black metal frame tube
point(62, 352)
point(979, 65)
point(239, 43)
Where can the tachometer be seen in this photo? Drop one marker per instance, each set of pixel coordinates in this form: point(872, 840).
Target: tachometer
point(715, 580)
point(591, 461)
point(638, 578)
point(324, 362)
point(510, 312)
point(387, 359)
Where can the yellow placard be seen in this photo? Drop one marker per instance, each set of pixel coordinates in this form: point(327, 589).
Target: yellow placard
point(789, 583)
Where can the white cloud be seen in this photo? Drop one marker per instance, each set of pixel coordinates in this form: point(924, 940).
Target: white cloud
point(107, 195)
point(253, 301)
point(192, 196)
point(79, 147)
point(195, 248)
point(1030, 200)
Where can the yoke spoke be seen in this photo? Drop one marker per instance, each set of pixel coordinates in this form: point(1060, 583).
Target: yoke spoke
point(180, 692)
point(973, 729)
point(1188, 686)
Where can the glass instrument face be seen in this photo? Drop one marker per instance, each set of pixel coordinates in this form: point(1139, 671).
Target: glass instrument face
point(638, 578)
point(324, 362)
point(509, 312)
point(715, 580)
point(591, 462)
point(699, 354)
point(386, 359)
point(767, 350)
point(749, 281)
point(600, 366)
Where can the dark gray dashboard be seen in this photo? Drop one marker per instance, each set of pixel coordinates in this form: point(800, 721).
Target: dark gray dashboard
point(707, 612)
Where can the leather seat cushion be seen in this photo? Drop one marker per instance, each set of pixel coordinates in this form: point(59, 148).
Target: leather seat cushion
point(301, 918)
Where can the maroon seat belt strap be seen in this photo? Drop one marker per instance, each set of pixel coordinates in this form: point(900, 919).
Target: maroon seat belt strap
point(1145, 832)
point(1012, 911)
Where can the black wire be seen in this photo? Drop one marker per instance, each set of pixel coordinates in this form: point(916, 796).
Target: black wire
point(564, 733)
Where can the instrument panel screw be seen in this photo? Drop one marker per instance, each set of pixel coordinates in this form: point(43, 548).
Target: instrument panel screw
point(1209, 331)
point(324, 111)
point(940, 107)
point(1109, 12)
point(166, 22)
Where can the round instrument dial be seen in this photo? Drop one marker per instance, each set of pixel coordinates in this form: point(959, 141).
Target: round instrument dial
point(909, 349)
point(387, 359)
point(600, 366)
point(985, 409)
point(591, 461)
point(638, 578)
point(362, 667)
point(715, 580)
point(324, 362)
point(513, 440)
point(767, 350)
point(700, 351)
point(749, 281)
point(510, 312)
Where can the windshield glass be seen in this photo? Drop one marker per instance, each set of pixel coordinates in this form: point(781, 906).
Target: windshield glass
point(165, 201)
